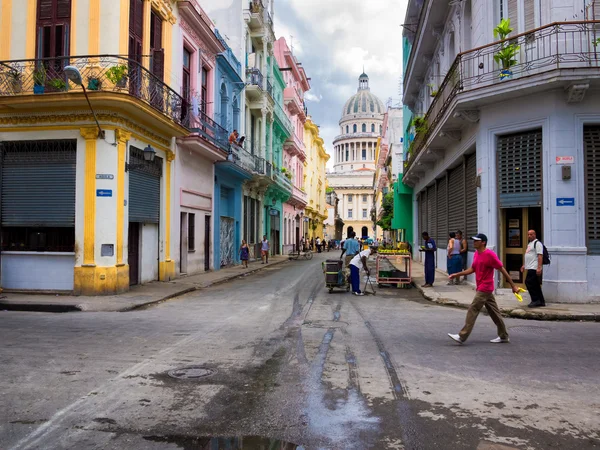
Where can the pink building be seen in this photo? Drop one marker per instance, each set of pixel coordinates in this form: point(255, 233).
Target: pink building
point(294, 156)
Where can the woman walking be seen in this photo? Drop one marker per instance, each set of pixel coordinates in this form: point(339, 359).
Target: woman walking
point(244, 253)
point(454, 258)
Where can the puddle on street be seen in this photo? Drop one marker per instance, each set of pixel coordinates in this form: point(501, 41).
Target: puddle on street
point(225, 443)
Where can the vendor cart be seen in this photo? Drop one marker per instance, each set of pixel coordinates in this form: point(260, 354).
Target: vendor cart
point(394, 268)
point(334, 275)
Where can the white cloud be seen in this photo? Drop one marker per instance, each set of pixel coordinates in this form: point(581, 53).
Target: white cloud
point(310, 97)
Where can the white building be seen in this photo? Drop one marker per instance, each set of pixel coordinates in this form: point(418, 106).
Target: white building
point(504, 154)
point(354, 159)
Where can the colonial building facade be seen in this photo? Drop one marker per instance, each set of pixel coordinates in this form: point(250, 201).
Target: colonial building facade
point(354, 159)
point(501, 144)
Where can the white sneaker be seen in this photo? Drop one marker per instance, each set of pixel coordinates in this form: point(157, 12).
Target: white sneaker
point(499, 340)
point(455, 337)
point(358, 293)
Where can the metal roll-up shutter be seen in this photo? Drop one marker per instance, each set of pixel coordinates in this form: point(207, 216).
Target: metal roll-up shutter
point(423, 212)
point(442, 213)
point(144, 188)
point(519, 158)
point(38, 183)
point(456, 199)
point(591, 139)
point(471, 193)
point(431, 212)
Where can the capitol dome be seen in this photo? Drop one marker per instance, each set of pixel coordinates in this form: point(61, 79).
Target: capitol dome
point(363, 103)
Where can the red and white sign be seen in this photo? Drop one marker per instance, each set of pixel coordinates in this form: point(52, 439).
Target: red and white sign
point(565, 160)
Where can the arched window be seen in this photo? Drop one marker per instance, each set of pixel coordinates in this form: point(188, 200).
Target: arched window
point(364, 127)
point(354, 128)
point(380, 128)
point(372, 128)
point(347, 129)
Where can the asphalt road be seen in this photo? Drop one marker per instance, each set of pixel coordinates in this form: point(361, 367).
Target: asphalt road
point(286, 360)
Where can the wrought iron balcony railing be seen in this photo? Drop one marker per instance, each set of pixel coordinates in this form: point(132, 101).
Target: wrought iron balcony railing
point(268, 169)
point(247, 161)
point(108, 73)
point(561, 45)
point(283, 118)
point(254, 77)
point(210, 130)
point(280, 178)
point(270, 88)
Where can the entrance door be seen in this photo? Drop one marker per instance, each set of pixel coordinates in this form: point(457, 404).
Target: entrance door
point(227, 233)
point(133, 252)
point(207, 243)
point(183, 243)
point(516, 222)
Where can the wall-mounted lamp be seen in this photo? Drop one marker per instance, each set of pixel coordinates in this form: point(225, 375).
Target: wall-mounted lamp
point(273, 202)
point(74, 75)
point(149, 154)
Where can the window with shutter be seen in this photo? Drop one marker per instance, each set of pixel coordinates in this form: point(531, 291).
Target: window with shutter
point(456, 198)
point(519, 159)
point(136, 29)
point(442, 213)
point(53, 21)
point(513, 15)
point(529, 8)
point(471, 193)
point(591, 142)
point(156, 50)
point(423, 212)
point(431, 212)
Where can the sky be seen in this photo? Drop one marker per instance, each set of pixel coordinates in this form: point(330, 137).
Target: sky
point(334, 39)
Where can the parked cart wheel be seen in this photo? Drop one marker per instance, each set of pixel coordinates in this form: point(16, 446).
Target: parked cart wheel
point(330, 290)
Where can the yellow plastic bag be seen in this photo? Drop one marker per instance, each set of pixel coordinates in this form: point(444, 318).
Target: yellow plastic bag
point(518, 294)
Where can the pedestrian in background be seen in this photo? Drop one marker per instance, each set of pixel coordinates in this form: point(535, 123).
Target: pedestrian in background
point(350, 248)
point(244, 253)
point(318, 245)
point(534, 259)
point(264, 250)
point(429, 248)
point(454, 259)
point(464, 252)
point(485, 261)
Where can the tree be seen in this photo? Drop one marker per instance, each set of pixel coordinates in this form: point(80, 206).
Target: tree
point(388, 211)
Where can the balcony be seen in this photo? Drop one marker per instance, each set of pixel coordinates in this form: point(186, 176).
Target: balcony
point(282, 180)
point(110, 80)
point(292, 100)
point(299, 198)
point(254, 81)
point(549, 57)
point(295, 147)
point(283, 120)
point(254, 15)
point(209, 130)
point(244, 159)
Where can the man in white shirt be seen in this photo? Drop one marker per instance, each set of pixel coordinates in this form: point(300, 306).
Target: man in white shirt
point(360, 260)
point(534, 257)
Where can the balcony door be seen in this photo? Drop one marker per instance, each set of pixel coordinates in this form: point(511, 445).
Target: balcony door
point(136, 39)
point(52, 37)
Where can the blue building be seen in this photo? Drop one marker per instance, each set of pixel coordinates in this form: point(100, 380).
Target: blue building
point(231, 174)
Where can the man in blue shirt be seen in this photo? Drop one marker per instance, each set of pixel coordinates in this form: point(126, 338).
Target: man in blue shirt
point(429, 248)
point(350, 248)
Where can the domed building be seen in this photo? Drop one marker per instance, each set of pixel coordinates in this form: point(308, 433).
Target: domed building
point(354, 158)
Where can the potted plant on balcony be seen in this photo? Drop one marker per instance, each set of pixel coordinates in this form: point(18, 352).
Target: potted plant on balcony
point(13, 80)
point(420, 124)
point(506, 55)
point(94, 83)
point(117, 75)
point(58, 84)
point(39, 79)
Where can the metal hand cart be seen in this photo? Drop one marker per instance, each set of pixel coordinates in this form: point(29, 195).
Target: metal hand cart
point(334, 275)
point(394, 269)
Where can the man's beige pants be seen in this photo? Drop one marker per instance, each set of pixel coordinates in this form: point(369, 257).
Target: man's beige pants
point(483, 299)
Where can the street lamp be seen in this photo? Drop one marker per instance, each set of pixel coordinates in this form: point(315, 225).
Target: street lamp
point(74, 75)
point(149, 153)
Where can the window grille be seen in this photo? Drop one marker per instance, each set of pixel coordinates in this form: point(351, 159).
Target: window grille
point(591, 140)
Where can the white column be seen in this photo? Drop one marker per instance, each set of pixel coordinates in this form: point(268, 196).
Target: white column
point(263, 134)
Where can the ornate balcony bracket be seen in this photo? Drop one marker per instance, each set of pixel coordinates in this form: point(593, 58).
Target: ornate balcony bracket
point(470, 115)
point(576, 91)
point(453, 135)
point(437, 32)
point(434, 153)
point(425, 165)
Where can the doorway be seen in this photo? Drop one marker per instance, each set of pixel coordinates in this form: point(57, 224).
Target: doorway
point(207, 243)
point(183, 244)
point(515, 223)
point(349, 232)
point(133, 253)
point(364, 232)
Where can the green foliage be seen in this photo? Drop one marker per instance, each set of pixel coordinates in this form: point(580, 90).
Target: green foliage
point(506, 55)
point(596, 42)
point(39, 75)
point(329, 190)
point(58, 84)
point(420, 124)
point(116, 73)
point(388, 211)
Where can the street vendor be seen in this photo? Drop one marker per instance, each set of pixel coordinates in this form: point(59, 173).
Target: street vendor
point(360, 260)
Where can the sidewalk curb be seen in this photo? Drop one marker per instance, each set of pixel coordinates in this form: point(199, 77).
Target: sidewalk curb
point(198, 288)
point(81, 307)
point(517, 313)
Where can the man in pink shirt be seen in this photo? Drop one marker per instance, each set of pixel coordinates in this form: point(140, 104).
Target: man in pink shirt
point(484, 263)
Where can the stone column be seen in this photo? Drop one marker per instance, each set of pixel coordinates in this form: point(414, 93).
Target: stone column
point(270, 145)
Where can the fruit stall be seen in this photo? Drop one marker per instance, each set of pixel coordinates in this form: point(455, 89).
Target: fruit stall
point(394, 267)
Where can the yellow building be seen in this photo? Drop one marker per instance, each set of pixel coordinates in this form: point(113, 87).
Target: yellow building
point(314, 180)
point(94, 211)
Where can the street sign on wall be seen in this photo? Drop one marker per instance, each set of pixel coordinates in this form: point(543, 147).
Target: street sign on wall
point(565, 201)
point(565, 160)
